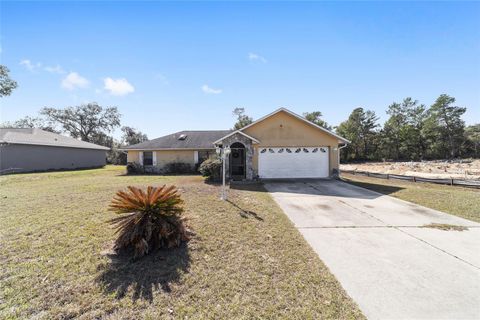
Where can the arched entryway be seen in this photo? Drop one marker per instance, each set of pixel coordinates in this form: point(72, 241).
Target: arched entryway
point(237, 161)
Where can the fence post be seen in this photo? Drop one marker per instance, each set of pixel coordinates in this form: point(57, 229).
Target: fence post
point(388, 176)
point(368, 174)
point(451, 181)
point(414, 179)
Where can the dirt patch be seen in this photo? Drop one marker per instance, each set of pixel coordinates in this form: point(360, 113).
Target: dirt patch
point(324, 206)
point(445, 227)
point(461, 169)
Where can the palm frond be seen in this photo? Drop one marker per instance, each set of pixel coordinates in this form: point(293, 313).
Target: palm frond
point(152, 219)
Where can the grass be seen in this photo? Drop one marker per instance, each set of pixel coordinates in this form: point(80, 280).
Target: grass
point(459, 201)
point(246, 261)
point(445, 227)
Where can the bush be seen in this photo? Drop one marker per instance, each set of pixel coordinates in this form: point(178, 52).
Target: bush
point(212, 169)
point(153, 219)
point(178, 167)
point(134, 168)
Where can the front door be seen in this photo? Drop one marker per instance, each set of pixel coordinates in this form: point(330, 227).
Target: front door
point(237, 163)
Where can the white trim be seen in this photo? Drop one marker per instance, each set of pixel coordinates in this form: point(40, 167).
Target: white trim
point(140, 157)
point(298, 117)
point(234, 132)
point(195, 157)
point(154, 158)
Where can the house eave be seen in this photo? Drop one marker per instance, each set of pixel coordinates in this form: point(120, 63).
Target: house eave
point(166, 149)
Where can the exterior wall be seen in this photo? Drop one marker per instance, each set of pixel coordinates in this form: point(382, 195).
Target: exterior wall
point(165, 157)
point(285, 130)
point(133, 156)
point(28, 158)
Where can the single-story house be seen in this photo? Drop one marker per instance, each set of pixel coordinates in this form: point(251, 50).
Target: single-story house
point(280, 145)
point(31, 149)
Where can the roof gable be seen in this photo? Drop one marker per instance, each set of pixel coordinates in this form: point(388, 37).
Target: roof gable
point(298, 117)
point(234, 132)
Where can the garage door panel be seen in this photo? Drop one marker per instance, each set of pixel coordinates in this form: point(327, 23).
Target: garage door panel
point(293, 162)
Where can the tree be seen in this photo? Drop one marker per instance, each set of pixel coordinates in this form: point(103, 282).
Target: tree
point(7, 85)
point(132, 136)
point(87, 121)
point(472, 136)
point(401, 134)
point(316, 117)
point(360, 129)
point(31, 122)
point(242, 119)
point(444, 127)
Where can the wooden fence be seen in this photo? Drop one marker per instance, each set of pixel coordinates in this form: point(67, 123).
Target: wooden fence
point(449, 181)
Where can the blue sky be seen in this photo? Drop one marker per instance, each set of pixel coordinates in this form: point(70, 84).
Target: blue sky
point(173, 66)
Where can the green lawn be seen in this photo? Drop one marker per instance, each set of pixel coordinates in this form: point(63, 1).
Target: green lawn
point(459, 201)
point(246, 261)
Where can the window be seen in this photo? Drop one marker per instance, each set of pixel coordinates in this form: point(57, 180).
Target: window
point(148, 158)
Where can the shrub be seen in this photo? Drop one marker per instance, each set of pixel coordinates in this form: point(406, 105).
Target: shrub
point(133, 168)
point(152, 219)
point(178, 167)
point(212, 169)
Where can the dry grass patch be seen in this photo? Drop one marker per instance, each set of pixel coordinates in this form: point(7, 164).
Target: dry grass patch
point(459, 201)
point(246, 260)
point(445, 227)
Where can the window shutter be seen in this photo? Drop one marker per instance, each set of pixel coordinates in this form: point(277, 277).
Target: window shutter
point(154, 156)
point(140, 156)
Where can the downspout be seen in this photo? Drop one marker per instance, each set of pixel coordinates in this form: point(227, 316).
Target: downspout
point(340, 148)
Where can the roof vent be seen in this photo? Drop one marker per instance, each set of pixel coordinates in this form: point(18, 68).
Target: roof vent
point(182, 137)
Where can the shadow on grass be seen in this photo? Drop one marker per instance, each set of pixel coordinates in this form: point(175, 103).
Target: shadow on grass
point(143, 276)
point(245, 213)
point(255, 187)
point(380, 188)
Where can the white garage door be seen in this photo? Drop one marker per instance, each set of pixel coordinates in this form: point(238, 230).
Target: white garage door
point(293, 162)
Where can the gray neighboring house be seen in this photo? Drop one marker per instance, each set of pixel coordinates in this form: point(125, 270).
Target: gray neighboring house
point(27, 150)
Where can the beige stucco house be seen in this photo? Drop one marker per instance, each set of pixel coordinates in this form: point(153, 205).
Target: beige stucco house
point(280, 145)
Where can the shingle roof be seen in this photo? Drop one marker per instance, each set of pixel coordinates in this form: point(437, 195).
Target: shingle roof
point(193, 140)
point(33, 136)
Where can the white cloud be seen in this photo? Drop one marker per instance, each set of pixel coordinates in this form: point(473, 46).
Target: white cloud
point(29, 65)
point(208, 90)
point(73, 81)
point(256, 57)
point(118, 87)
point(54, 69)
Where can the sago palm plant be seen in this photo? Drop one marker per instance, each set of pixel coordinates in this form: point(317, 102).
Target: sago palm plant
point(152, 219)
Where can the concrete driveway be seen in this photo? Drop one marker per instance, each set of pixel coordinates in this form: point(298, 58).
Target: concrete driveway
point(376, 247)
